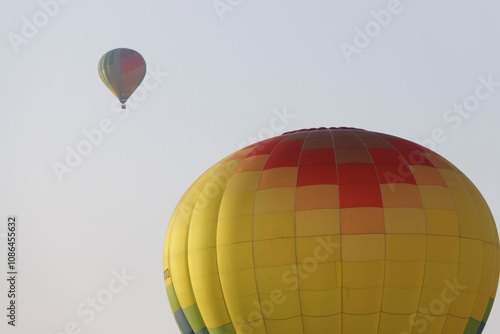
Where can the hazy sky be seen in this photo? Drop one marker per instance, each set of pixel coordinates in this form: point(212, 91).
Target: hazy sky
point(217, 80)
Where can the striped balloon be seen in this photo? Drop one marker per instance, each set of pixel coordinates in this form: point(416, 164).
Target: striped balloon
point(122, 70)
point(332, 231)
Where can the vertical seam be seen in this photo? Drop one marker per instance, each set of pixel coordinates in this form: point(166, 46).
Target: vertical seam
point(340, 234)
point(216, 247)
point(295, 231)
point(425, 217)
point(385, 232)
point(253, 215)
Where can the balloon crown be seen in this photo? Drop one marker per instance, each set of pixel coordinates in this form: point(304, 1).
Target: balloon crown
point(323, 128)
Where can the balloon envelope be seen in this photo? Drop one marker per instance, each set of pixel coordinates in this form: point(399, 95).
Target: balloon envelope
point(122, 70)
point(334, 231)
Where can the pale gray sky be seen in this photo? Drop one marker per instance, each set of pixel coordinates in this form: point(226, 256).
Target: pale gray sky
point(226, 80)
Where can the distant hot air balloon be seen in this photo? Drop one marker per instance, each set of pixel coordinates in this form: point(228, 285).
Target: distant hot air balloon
point(332, 231)
point(122, 70)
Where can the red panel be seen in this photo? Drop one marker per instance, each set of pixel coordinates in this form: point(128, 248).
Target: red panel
point(357, 173)
point(410, 152)
point(317, 174)
point(286, 154)
point(360, 195)
point(130, 63)
point(395, 173)
point(385, 156)
point(266, 146)
point(317, 157)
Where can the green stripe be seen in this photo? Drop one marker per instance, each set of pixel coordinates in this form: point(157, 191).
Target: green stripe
point(194, 318)
point(172, 298)
point(226, 329)
point(472, 326)
point(488, 310)
point(182, 322)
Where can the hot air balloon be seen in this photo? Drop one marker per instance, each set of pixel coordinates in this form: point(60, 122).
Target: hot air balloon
point(332, 230)
point(122, 70)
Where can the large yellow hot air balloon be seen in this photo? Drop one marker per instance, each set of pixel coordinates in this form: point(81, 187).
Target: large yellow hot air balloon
point(339, 231)
point(122, 70)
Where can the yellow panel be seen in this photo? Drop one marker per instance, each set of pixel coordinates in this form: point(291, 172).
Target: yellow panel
point(404, 274)
point(480, 203)
point(274, 200)
point(254, 327)
point(361, 301)
point(277, 252)
point(432, 302)
point(429, 324)
point(283, 278)
point(321, 249)
point(487, 224)
point(317, 222)
point(322, 325)
point(488, 229)
point(443, 248)
point(321, 303)
point(401, 301)
point(274, 225)
point(214, 312)
point(278, 178)
point(404, 220)
point(236, 205)
point(206, 257)
point(292, 326)
point(243, 182)
point(235, 257)
point(244, 309)
point(183, 288)
point(234, 230)
point(486, 283)
point(363, 247)
point(360, 324)
point(442, 222)
point(489, 256)
point(363, 274)
point(202, 234)
point(405, 247)
point(395, 323)
point(454, 325)
point(480, 306)
point(280, 305)
point(323, 276)
point(463, 200)
point(400, 195)
point(321, 196)
point(470, 225)
point(179, 264)
point(237, 284)
point(469, 277)
point(208, 202)
point(438, 274)
point(452, 179)
point(462, 302)
point(436, 197)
